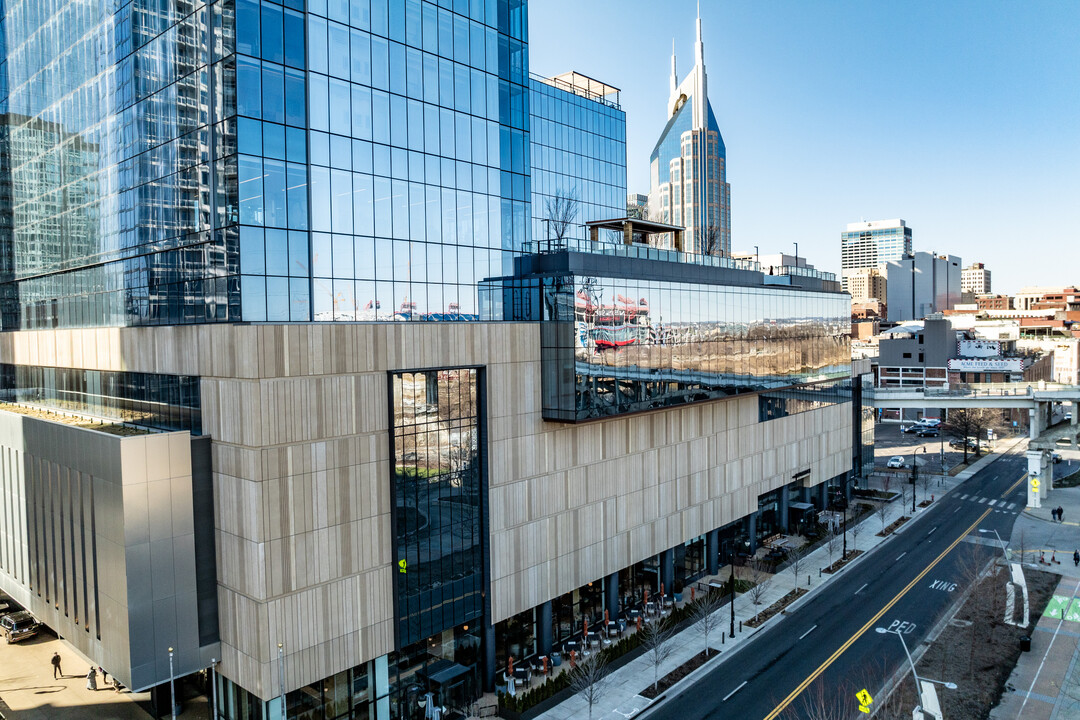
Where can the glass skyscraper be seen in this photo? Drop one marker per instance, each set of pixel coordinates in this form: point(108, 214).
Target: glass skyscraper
point(688, 167)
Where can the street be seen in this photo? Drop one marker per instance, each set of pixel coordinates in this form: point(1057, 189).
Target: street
point(826, 650)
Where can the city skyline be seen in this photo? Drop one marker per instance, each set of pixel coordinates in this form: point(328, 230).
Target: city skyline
point(980, 119)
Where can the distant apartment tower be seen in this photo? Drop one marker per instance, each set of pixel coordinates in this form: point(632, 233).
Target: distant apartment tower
point(866, 284)
point(975, 279)
point(870, 245)
point(688, 166)
point(922, 284)
point(637, 206)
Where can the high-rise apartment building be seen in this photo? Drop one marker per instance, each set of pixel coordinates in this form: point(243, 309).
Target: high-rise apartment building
point(975, 279)
point(922, 284)
point(688, 165)
point(870, 245)
point(637, 206)
point(355, 437)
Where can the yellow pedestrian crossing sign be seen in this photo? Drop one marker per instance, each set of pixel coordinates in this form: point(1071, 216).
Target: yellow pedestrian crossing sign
point(1034, 483)
point(401, 566)
point(864, 700)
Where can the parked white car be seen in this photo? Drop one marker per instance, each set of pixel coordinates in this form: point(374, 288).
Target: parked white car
point(895, 462)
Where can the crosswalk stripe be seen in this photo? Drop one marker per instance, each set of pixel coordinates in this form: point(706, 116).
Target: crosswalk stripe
point(964, 496)
point(1012, 505)
point(992, 502)
point(982, 501)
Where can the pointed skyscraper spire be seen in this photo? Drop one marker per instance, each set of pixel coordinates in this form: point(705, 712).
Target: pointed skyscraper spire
point(674, 74)
point(699, 46)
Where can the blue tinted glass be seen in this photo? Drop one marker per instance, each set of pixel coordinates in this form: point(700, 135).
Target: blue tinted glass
point(277, 299)
point(247, 27)
point(250, 186)
point(317, 60)
point(253, 298)
point(273, 48)
point(299, 262)
point(361, 112)
point(249, 136)
point(274, 141)
point(273, 95)
point(274, 193)
point(294, 39)
point(300, 302)
point(296, 144)
point(248, 87)
point(296, 190)
point(320, 148)
point(338, 49)
point(294, 97)
point(361, 57)
point(320, 198)
point(321, 255)
point(252, 253)
point(277, 252)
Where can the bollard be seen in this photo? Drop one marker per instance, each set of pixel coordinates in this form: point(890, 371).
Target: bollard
point(722, 636)
point(819, 572)
point(807, 579)
point(740, 626)
point(931, 498)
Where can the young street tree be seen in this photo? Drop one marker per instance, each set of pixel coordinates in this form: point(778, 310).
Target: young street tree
point(590, 679)
point(758, 574)
point(656, 639)
point(795, 557)
point(706, 617)
point(561, 211)
point(960, 426)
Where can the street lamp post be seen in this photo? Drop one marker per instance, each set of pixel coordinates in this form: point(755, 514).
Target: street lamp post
point(172, 687)
point(914, 674)
point(1004, 545)
point(213, 688)
point(844, 553)
point(914, 478)
point(281, 677)
point(731, 632)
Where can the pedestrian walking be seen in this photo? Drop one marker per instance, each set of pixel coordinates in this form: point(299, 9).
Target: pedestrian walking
point(91, 679)
point(104, 675)
point(1076, 558)
point(56, 671)
point(1061, 514)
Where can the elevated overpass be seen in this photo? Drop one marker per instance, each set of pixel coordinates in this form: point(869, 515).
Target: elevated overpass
point(1038, 399)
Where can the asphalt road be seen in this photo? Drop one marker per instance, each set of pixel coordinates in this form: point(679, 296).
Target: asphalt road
point(827, 649)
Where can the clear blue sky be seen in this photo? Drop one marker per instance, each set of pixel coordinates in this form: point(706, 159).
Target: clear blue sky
point(963, 118)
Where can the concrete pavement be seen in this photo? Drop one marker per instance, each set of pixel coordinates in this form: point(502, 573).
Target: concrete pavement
point(29, 692)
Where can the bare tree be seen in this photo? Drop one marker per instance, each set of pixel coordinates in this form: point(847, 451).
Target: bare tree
point(758, 574)
point(561, 210)
point(925, 479)
point(712, 241)
point(855, 528)
point(706, 617)
point(656, 639)
point(590, 679)
point(832, 541)
point(795, 557)
point(882, 511)
point(971, 563)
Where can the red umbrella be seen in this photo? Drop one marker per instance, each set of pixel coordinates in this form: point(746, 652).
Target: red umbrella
point(607, 617)
point(661, 591)
point(510, 666)
point(585, 631)
point(646, 597)
point(691, 594)
point(638, 622)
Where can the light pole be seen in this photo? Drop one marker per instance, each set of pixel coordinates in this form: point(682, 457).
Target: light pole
point(732, 603)
point(914, 674)
point(1004, 545)
point(914, 478)
point(844, 553)
point(281, 676)
point(213, 688)
point(172, 687)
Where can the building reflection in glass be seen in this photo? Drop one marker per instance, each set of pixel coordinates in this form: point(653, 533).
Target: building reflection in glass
point(438, 496)
point(618, 345)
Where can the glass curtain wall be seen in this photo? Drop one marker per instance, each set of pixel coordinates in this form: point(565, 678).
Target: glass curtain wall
point(623, 345)
point(439, 494)
point(113, 128)
point(416, 183)
point(579, 155)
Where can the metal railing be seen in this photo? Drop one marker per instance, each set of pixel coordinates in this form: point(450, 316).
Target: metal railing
point(637, 251)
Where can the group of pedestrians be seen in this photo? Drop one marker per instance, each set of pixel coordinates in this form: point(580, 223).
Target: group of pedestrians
point(91, 676)
point(1057, 514)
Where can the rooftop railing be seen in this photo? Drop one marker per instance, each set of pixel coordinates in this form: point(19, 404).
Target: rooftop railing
point(638, 251)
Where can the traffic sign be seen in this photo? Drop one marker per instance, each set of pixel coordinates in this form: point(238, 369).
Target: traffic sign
point(864, 700)
point(1034, 483)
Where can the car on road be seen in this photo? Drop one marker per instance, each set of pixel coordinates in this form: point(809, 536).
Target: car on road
point(913, 427)
point(927, 431)
point(930, 422)
point(895, 462)
point(19, 626)
point(959, 444)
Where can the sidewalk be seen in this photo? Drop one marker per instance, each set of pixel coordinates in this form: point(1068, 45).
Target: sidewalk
point(29, 692)
point(621, 698)
point(1045, 685)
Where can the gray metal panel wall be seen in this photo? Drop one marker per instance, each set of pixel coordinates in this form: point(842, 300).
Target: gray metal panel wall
point(103, 543)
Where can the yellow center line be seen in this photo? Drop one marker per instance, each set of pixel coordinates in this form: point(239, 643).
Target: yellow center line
point(843, 648)
point(1013, 486)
